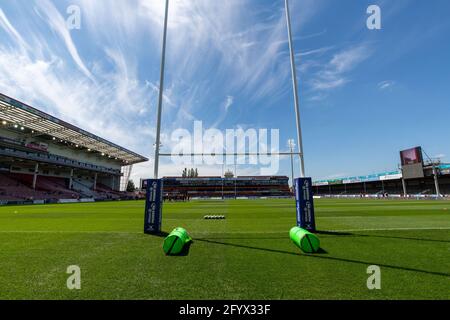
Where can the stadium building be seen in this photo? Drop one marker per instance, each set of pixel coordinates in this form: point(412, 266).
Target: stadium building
point(218, 187)
point(44, 159)
point(415, 178)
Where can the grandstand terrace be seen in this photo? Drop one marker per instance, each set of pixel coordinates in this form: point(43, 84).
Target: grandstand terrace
point(43, 158)
point(387, 184)
point(218, 187)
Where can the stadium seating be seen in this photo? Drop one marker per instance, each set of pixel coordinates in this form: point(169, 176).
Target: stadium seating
point(9, 188)
point(84, 187)
point(106, 192)
point(32, 140)
point(217, 187)
point(56, 186)
point(18, 187)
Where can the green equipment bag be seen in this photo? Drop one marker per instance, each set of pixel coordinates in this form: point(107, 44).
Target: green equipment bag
point(176, 242)
point(305, 240)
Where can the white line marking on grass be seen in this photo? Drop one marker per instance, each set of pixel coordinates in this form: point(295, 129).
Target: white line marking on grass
point(59, 231)
point(389, 229)
point(232, 232)
point(346, 230)
point(370, 216)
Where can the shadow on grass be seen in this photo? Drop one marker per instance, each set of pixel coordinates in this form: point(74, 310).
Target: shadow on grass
point(321, 255)
point(250, 238)
point(334, 233)
point(321, 251)
point(347, 234)
point(161, 234)
point(185, 251)
point(401, 238)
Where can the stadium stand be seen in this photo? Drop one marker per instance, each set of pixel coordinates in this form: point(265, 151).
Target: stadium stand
point(45, 159)
point(218, 187)
point(17, 187)
point(387, 184)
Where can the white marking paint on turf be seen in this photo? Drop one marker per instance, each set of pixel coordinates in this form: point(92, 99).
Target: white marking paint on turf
point(347, 230)
point(59, 231)
point(231, 232)
point(390, 229)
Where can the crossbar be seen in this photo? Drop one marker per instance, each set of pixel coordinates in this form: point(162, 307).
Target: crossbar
point(231, 154)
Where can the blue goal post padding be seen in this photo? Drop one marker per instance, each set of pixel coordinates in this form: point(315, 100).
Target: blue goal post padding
point(153, 206)
point(305, 204)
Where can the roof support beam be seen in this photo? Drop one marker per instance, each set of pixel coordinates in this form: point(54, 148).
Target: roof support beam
point(18, 114)
point(48, 132)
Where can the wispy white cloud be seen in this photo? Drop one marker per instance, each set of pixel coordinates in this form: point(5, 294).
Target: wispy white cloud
point(106, 80)
point(58, 24)
point(318, 97)
point(244, 53)
point(315, 51)
point(11, 31)
point(313, 35)
point(384, 85)
point(229, 102)
point(111, 106)
point(222, 114)
point(334, 73)
point(348, 59)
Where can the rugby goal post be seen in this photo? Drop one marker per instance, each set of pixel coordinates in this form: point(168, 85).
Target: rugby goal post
point(303, 189)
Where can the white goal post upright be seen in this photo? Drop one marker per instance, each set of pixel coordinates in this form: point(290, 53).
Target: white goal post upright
point(161, 93)
point(295, 86)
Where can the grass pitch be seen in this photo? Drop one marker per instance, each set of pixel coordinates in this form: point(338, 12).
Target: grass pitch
point(247, 256)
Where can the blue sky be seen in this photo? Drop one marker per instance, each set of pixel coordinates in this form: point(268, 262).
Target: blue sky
point(364, 94)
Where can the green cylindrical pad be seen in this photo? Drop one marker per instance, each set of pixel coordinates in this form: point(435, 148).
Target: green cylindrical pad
point(305, 240)
point(176, 241)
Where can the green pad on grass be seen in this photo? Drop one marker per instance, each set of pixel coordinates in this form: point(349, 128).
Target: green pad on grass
point(305, 240)
point(176, 241)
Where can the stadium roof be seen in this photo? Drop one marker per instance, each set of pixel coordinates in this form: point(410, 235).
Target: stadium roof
point(40, 123)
